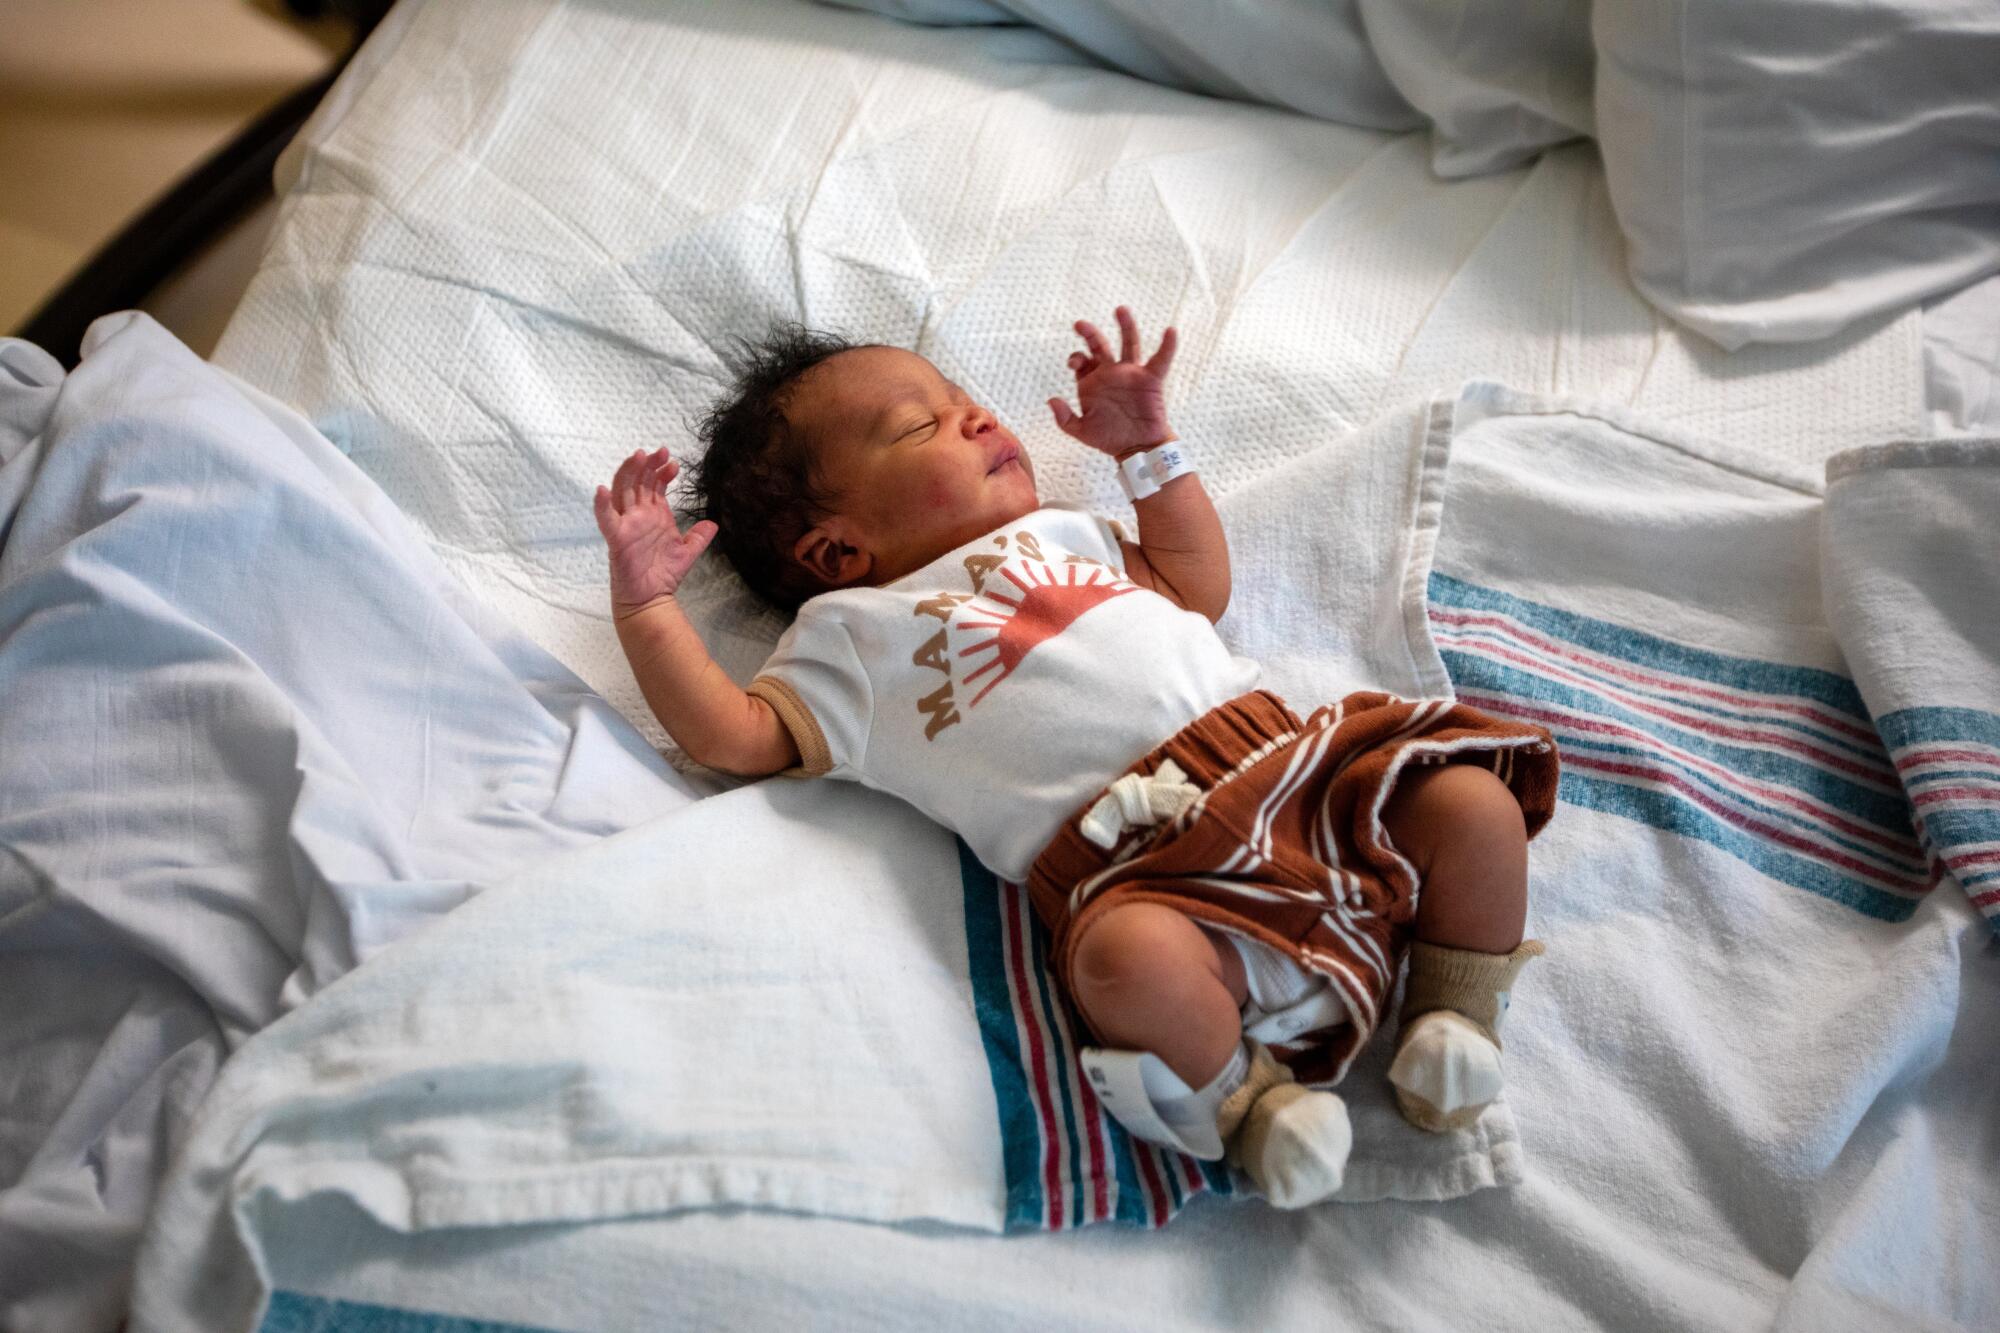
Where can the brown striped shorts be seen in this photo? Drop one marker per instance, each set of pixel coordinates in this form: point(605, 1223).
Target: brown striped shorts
point(1285, 845)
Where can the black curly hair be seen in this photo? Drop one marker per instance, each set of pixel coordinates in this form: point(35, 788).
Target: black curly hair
point(756, 478)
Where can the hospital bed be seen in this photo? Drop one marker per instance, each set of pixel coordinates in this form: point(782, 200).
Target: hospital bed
point(430, 988)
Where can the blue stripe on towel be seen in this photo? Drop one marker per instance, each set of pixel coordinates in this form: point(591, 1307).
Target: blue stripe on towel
point(1662, 810)
point(1908, 726)
point(1020, 1126)
point(1886, 808)
point(1778, 765)
point(1131, 1206)
point(1742, 673)
point(291, 1312)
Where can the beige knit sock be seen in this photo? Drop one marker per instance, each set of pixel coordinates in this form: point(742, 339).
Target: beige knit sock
point(1292, 1140)
point(1447, 1068)
point(1265, 1074)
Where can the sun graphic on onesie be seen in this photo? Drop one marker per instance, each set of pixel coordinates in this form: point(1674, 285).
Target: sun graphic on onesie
point(1050, 600)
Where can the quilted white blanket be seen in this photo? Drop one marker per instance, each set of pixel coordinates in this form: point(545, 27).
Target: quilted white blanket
point(486, 299)
point(1754, 1063)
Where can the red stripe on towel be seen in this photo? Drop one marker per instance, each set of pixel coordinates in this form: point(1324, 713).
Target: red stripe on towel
point(1024, 1010)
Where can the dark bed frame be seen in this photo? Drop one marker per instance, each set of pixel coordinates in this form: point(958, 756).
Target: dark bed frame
point(195, 210)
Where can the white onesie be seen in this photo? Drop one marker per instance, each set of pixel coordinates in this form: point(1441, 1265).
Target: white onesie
point(1001, 686)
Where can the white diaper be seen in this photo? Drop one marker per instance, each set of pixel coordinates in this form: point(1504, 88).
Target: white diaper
point(1285, 999)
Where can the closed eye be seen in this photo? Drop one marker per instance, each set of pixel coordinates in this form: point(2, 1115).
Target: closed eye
point(928, 424)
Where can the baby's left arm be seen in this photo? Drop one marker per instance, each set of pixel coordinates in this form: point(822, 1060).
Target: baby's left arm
point(1181, 552)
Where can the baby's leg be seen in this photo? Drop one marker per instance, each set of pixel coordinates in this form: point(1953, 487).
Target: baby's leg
point(1462, 828)
point(1150, 980)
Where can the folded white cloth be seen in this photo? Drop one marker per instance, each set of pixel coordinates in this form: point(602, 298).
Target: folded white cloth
point(1913, 590)
point(762, 1001)
point(1753, 999)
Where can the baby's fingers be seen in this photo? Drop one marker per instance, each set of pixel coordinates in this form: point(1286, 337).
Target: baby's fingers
point(1163, 359)
point(697, 538)
point(605, 514)
point(625, 486)
point(653, 479)
point(1099, 349)
point(1128, 335)
point(1065, 418)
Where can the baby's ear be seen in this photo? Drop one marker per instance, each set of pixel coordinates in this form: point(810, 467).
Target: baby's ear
point(830, 557)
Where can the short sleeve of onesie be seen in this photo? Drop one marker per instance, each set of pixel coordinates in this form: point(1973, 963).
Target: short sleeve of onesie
point(1113, 533)
point(816, 684)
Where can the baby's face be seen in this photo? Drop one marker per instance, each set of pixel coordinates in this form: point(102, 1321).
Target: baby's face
point(917, 467)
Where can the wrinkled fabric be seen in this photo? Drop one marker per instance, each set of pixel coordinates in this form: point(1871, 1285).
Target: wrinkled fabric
point(253, 734)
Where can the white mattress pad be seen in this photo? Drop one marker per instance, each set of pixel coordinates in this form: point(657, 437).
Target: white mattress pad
point(520, 239)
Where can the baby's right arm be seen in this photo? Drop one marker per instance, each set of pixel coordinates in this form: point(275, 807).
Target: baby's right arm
point(707, 714)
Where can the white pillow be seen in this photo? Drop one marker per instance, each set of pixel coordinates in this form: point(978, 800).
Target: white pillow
point(934, 13)
point(1312, 56)
point(1784, 168)
point(1500, 80)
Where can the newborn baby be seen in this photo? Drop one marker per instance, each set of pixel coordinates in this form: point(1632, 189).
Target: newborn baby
point(1231, 890)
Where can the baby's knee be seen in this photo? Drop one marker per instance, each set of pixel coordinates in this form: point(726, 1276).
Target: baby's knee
point(1456, 801)
point(1134, 950)
point(1478, 794)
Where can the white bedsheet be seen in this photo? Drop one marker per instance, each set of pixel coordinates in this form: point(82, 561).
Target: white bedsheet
point(520, 238)
point(517, 242)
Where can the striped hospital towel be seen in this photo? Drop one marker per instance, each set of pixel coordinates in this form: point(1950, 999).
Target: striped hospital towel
point(1913, 589)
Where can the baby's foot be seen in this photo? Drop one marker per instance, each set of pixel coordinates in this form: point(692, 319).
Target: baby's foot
point(1294, 1144)
point(1446, 1071)
point(1292, 1140)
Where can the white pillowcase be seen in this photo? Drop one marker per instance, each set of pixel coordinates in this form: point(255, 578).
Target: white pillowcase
point(1784, 168)
point(1311, 56)
point(1499, 80)
point(934, 13)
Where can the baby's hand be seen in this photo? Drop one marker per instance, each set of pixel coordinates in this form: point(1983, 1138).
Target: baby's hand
point(1124, 401)
point(649, 553)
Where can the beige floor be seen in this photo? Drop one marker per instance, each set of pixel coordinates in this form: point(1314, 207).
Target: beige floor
point(104, 104)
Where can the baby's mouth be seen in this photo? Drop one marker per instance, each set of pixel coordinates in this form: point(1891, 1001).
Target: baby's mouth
point(1009, 453)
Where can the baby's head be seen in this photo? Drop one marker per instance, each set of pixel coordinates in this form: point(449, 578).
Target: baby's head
point(831, 465)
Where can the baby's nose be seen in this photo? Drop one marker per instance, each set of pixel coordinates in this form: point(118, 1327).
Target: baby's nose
point(978, 421)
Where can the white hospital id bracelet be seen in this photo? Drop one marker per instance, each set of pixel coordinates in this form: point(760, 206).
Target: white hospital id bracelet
point(1144, 473)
